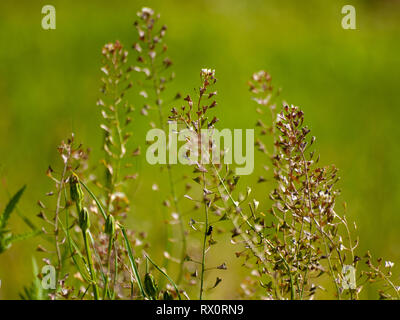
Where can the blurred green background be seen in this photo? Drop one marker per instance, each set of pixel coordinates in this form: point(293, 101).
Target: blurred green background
point(347, 81)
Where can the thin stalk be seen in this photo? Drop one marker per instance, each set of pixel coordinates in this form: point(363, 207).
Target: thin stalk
point(103, 213)
point(133, 263)
point(56, 216)
point(115, 176)
point(110, 246)
point(96, 254)
point(165, 275)
point(319, 227)
point(287, 266)
point(390, 283)
point(203, 260)
point(206, 224)
point(171, 181)
point(73, 248)
point(302, 223)
point(90, 262)
point(351, 247)
point(115, 271)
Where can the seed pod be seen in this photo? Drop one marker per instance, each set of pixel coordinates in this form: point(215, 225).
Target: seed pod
point(150, 285)
point(110, 225)
point(167, 296)
point(84, 221)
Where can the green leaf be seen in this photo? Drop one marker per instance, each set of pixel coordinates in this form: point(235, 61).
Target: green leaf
point(24, 236)
point(10, 208)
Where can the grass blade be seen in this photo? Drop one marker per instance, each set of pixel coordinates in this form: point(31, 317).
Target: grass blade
point(132, 261)
point(103, 213)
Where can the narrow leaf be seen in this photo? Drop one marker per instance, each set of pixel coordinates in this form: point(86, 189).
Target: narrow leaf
point(10, 207)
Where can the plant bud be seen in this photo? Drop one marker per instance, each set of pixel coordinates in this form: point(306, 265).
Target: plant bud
point(84, 221)
point(150, 285)
point(167, 296)
point(110, 225)
point(76, 192)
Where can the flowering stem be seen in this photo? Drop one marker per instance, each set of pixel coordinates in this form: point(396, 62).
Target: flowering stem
point(203, 260)
point(287, 266)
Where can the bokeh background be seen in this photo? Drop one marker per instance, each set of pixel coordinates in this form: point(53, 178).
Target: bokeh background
point(347, 81)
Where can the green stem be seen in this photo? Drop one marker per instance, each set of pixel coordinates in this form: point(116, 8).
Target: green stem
point(203, 260)
point(110, 245)
point(236, 205)
point(90, 262)
point(133, 263)
point(166, 275)
point(103, 213)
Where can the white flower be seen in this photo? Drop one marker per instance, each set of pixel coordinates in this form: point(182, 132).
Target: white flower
point(256, 203)
point(207, 72)
point(175, 215)
point(259, 75)
point(147, 10)
point(389, 264)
